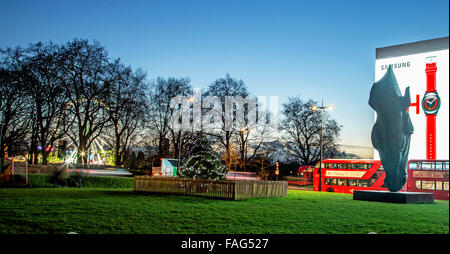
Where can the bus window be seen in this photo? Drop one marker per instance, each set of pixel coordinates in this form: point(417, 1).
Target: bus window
point(156, 163)
point(414, 165)
point(438, 185)
point(427, 165)
point(419, 184)
point(445, 186)
point(173, 163)
point(351, 182)
point(445, 164)
point(340, 182)
point(427, 185)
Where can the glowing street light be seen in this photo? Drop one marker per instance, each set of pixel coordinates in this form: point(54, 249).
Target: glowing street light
point(321, 108)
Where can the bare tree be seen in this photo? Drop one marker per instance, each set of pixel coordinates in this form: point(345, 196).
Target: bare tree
point(251, 138)
point(161, 113)
point(44, 87)
point(302, 128)
point(14, 104)
point(127, 106)
point(223, 88)
point(87, 83)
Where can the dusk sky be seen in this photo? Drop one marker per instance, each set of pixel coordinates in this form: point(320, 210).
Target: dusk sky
point(314, 49)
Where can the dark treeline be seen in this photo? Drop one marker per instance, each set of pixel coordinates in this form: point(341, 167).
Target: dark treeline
point(56, 97)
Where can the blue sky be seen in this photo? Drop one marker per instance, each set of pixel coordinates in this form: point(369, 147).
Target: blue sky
point(314, 49)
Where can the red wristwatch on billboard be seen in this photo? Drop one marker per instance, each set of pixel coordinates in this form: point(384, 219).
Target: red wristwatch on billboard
point(430, 105)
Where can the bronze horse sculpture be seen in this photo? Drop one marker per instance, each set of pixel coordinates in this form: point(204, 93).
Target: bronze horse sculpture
point(393, 128)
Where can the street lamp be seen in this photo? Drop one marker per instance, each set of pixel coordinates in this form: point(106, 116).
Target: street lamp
point(321, 108)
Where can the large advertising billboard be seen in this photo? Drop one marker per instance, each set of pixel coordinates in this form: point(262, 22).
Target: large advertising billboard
point(424, 67)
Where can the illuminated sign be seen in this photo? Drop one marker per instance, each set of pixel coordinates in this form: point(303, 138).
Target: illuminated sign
point(335, 173)
point(428, 174)
point(424, 67)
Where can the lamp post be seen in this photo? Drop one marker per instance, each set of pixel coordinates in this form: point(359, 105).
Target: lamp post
point(321, 108)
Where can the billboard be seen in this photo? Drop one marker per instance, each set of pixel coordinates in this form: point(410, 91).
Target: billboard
point(424, 67)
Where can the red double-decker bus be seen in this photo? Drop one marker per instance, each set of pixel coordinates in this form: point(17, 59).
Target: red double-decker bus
point(429, 176)
point(345, 176)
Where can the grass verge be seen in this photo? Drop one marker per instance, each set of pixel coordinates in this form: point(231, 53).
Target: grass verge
point(90, 210)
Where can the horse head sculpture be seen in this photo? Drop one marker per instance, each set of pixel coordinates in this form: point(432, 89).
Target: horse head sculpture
point(393, 128)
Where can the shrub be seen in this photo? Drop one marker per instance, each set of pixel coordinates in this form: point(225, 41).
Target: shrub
point(40, 181)
point(107, 182)
point(204, 165)
point(44, 181)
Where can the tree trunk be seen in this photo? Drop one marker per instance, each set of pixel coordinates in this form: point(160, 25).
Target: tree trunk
point(82, 155)
point(44, 156)
point(36, 157)
point(117, 159)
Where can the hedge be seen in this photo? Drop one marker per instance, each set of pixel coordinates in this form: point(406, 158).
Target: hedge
point(43, 181)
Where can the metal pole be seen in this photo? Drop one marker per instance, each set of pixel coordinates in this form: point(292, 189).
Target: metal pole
point(320, 162)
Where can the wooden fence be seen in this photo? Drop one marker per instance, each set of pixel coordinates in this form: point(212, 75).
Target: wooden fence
point(22, 168)
point(229, 189)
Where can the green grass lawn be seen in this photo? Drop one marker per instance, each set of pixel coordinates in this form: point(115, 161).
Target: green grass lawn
point(95, 210)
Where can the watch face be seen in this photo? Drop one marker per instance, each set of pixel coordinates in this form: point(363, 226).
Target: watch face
point(431, 103)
